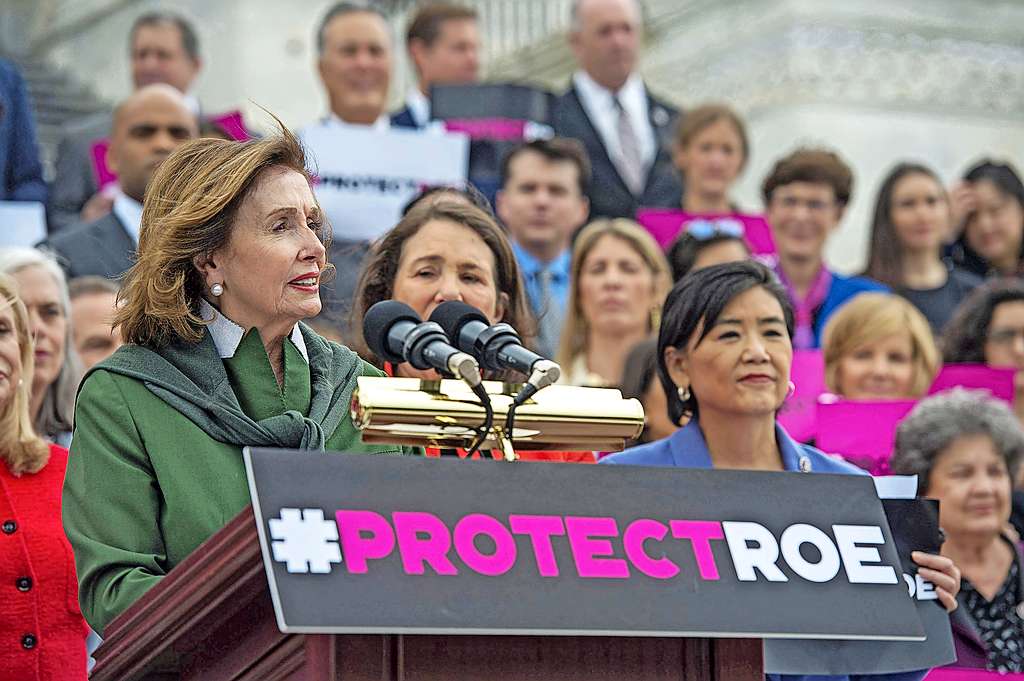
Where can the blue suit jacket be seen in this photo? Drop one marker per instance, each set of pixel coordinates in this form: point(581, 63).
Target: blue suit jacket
point(686, 448)
point(404, 119)
point(842, 289)
point(21, 173)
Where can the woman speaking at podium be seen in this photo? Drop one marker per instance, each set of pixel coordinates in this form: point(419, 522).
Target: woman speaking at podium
point(230, 258)
point(724, 355)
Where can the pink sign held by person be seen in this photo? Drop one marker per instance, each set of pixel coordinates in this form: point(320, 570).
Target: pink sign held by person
point(964, 674)
point(863, 433)
point(998, 382)
point(799, 414)
point(665, 225)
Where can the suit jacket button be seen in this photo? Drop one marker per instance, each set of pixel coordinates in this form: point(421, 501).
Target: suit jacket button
point(28, 641)
point(10, 526)
point(24, 583)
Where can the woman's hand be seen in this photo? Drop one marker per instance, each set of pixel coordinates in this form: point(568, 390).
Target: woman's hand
point(962, 202)
point(943, 573)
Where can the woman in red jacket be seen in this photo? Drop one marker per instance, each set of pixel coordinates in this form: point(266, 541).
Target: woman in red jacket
point(42, 632)
point(447, 250)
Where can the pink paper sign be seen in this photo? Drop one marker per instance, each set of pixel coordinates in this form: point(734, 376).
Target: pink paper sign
point(665, 225)
point(233, 124)
point(965, 674)
point(863, 433)
point(498, 129)
point(799, 414)
point(998, 382)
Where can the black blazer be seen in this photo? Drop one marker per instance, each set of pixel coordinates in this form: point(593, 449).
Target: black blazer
point(103, 248)
point(404, 119)
point(609, 195)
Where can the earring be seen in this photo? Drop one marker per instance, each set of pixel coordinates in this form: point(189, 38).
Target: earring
point(217, 289)
point(790, 390)
point(683, 394)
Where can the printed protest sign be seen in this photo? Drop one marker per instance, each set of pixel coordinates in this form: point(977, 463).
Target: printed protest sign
point(363, 543)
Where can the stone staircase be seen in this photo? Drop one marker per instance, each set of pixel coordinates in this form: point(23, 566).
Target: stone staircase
point(57, 99)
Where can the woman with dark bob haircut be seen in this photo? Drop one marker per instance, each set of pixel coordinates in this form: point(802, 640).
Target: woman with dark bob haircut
point(965, 448)
point(988, 328)
point(230, 260)
point(724, 356)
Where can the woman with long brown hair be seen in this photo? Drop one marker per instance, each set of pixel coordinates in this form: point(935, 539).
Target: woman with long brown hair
point(910, 225)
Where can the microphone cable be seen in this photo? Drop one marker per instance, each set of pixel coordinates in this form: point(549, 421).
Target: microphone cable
point(485, 428)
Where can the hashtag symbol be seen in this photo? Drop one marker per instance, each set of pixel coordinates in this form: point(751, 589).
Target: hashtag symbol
point(304, 540)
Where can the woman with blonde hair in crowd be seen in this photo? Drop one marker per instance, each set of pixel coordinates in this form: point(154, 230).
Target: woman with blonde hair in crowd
point(618, 281)
point(879, 347)
point(710, 151)
point(44, 292)
point(41, 626)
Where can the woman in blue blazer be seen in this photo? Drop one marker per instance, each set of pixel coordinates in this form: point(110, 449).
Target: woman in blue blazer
point(724, 354)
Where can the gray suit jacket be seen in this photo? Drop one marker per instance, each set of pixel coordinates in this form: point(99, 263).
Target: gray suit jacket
point(74, 180)
point(609, 195)
point(103, 248)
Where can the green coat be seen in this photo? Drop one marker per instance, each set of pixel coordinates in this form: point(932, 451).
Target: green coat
point(145, 485)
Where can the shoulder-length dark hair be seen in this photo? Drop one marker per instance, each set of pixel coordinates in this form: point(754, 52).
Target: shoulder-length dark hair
point(965, 334)
point(696, 303)
point(1008, 182)
point(885, 254)
point(377, 281)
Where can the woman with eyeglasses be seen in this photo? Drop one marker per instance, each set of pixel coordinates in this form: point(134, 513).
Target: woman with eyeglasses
point(704, 243)
point(805, 195)
point(912, 219)
point(709, 152)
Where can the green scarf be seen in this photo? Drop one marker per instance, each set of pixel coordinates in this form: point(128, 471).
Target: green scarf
point(191, 378)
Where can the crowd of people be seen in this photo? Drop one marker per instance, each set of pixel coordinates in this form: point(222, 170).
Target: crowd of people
point(156, 331)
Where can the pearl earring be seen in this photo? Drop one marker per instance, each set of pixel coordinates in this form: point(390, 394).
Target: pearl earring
point(217, 289)
point(683, 394)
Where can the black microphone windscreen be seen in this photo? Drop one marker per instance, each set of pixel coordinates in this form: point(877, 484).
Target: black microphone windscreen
point(378, 322)
point(452, 315)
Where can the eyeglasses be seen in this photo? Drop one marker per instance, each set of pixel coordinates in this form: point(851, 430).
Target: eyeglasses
point(812, 205)
point(1005, 336)
point(702, 230)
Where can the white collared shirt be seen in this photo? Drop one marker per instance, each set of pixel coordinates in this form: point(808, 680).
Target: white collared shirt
point(419, 106)
point(599, 105)
point(382, 124)
point(129, 212)
point(227, 335)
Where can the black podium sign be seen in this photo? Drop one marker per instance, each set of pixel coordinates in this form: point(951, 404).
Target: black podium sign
point(362, 543)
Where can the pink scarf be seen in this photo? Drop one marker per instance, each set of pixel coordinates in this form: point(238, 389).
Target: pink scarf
point(804, 309)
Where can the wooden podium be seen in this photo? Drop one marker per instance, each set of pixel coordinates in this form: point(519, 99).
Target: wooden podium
point(212, 619)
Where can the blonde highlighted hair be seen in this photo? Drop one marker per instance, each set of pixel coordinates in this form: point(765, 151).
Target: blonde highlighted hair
point(188, 213)
point(871, 317)
point(20, 447)
point(574, 332)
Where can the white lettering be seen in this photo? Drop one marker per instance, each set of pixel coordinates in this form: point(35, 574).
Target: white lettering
point(797, 535)
point(745, 557)
point(848, 537)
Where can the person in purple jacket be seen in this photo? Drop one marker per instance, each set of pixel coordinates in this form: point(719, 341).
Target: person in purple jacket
point(724, 355)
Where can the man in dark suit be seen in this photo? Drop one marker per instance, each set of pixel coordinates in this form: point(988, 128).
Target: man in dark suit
point(148, 126)
point(164, 48)
point(21, 173)
point(444, 43)
point(626, 131)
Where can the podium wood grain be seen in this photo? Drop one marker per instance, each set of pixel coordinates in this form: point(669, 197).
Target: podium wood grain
point(211, 619)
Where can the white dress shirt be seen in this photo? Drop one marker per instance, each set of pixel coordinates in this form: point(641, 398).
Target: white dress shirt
point(227, 335)
point(599, 105)
point(419, 106)
point(129, 212)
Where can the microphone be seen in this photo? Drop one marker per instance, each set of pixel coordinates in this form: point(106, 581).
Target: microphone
point(496, 347)
point(395, 333)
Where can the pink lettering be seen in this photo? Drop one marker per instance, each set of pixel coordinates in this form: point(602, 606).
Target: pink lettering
point(504, 556)
point(540, 529)
point(590, 552)
point(633, 540)
point(700, 533)
point(423, 538)
point(356, 546)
